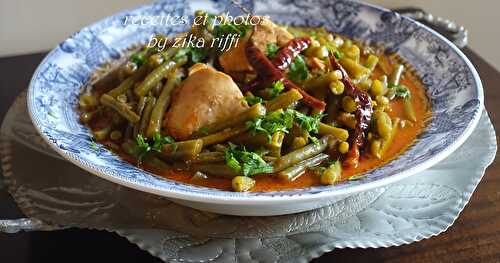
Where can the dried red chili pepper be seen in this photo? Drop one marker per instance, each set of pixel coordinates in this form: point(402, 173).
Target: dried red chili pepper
point(285, 56)
point(268, 73)
point(363, 114)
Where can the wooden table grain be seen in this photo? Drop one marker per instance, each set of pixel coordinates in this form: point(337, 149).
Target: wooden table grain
point(475, 236)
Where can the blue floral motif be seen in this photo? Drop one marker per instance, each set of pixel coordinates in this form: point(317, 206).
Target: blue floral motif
point(451, 82)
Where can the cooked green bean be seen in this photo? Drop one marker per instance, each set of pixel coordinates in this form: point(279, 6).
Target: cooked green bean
point(157, 75)
point(129, 82)
point(299, 155)
point(383, 123)
point(355, 70)
point(332, 174)
point(409, 110)
point(208, 157)
point(276, 143)
point(293, 172)
point(146, 115)
point(339, 133)
point(122, 108)
point(375, 148)
point(185, 150)
point(154, 162)
point(242, 183)
point(322, 81)
point(396, 74)
point(253, 112)
point(284, 100)
point(162, 104)
point(297, 143)
point(216, 169)
point(371, 62)
point(387, 142)
point(223, 135)
point(102, 134)
point(348, 104)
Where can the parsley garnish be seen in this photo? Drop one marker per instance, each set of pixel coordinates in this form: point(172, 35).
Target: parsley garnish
point(401, 91)
point(282, 121)
point(270, 124)
point(245, 162)
point(338, 54)
point(93, 144)
point(144, 147)
point(138, 58)
point(252, 100)
point(271, 49)
point(298, 70)
point(276, 88)
point(196, 54)
point(224, 30)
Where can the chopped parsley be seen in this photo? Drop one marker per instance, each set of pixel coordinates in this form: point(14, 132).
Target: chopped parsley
point(245, 162)
point(276, 88)
point(338, 54)
point(145, 146)
point(224, 30)
point(282, 121)
point(298, 70)
point(278, 121)
point(138, 58)
point(252, 100)
point(401, 91)
point(271, 49)
point(93, 144)
point(196, 54)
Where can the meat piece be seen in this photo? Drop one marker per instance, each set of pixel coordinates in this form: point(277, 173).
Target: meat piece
point(234, 61)
point(206, 96)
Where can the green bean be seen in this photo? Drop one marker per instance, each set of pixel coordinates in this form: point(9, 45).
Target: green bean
point(409, 110)
point(122, 108)
point(102, 134)
point(375, 148)
point(209, 157)
point(154, 162)
point(161, 105)
point(293, 172)
point(276, 143)
point(253, 112)
point(371, 62)
point(348, 104)
point(129, 82)
point(353, 53)
point(146, 115)
point(284, 100)
point(297, 143)
point(157, 75)
point(140, 105)
point(251, 139)
point(377, 88)
point(242, 183)
point(322, 81)
point(185, 150)
point(337, 87)
point(355, 70)
point(347, 119)
point(332, 109)
point(299, 155)
point(216, 169)
point(339, 133)
point(383, 124)
point(343, 147)
point(223, 135)
point(332, 174)
point(396, 74)
point(387, 142)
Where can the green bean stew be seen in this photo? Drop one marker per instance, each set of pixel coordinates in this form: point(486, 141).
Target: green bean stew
point(285, 108)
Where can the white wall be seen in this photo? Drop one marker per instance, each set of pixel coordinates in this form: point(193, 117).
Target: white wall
point(35, 25)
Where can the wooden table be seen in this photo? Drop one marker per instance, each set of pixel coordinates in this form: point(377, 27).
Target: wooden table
point(475, 236)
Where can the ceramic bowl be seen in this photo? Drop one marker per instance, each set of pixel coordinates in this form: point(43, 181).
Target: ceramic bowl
point(451, 81)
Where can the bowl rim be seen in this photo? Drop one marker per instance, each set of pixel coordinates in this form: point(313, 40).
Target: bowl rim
point(281, 197)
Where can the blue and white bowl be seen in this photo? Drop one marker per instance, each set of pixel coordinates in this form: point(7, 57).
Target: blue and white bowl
point(452, 83)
